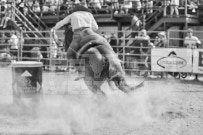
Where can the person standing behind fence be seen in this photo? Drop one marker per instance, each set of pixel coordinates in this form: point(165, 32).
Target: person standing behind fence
point(144, 50)
point(160, 41)
point(36, 55)
point(191, 42)
point(14, 42)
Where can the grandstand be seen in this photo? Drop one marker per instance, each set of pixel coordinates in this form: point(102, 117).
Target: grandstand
point(109, 14)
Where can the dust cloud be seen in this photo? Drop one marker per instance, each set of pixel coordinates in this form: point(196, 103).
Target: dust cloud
point(86, 114)
point(83, 114)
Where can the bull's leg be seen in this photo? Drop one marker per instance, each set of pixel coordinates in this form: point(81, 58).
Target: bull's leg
point(94, 86)
point(121, 83)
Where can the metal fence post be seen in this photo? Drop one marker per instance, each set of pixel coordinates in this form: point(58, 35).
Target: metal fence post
point(49, 51)
point(124, 35)
point(168, 37)
point(20, 52)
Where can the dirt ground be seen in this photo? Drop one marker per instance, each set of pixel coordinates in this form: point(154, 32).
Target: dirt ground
point(161, 107)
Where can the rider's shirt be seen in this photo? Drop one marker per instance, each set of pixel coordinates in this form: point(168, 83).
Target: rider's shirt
point(191, 42)
point(78, 20)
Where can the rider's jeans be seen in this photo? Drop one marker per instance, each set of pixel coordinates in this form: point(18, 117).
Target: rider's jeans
point(74, 46)
point(82, 37)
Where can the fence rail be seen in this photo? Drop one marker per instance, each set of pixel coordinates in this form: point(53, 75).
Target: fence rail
point(134, 56)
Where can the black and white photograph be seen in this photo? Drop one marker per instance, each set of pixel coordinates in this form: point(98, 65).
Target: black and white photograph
point(101, 67)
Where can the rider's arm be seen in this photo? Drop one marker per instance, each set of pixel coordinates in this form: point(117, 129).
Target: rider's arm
point(61, 23)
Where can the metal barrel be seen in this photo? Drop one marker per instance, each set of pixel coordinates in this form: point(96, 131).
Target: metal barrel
point(27, 78)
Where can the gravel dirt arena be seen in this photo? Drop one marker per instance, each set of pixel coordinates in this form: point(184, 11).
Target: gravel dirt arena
point(161, 107)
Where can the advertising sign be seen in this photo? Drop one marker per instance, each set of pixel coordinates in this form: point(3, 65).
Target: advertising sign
point(198, 61)
point(171, 60)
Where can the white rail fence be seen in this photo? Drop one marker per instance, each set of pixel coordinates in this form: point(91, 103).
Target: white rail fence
point(134, 53)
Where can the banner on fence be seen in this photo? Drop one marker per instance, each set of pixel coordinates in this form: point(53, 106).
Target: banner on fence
point(198, 61)
point(171, 60)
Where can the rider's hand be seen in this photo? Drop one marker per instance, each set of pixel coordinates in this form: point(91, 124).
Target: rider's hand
point(53, 30)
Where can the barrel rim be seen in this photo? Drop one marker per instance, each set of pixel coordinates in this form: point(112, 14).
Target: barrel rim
point(26, 64)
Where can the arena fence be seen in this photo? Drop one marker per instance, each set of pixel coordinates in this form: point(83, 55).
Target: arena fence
point(134, 53)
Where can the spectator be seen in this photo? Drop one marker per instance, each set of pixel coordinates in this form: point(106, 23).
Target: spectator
point(127, 5)
point(20, 42)
point(76, 2)
point(30, 3)
point(136, 5)
point(64, 8)
point(3, 38)
point(20, 5)
point(115, 6)
point(14, 43)
point(192, 42)
point(193, 5)
point(143, 41)
point(166, 5)
point(36, 55)
point(3, 8)
point(6, 18)
point(95, 4)
point(41, 5)
point(161, 40)
point(53, 7)
point(149, 6)
point(25, 11)
point(135, 25)
point(142, 35)
point(174, 7)
point(182, 4)
point(101, 2)
point(45, 8)
point(36, 7)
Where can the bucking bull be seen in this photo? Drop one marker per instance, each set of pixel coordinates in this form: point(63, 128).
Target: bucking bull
point(98, 69)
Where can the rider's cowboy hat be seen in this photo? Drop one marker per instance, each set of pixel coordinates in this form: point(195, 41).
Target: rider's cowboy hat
point(81, 7)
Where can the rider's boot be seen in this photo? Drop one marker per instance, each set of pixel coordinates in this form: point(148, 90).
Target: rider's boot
point(80, 69)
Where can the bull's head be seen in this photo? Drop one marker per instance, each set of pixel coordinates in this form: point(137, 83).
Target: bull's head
point(97, 66)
